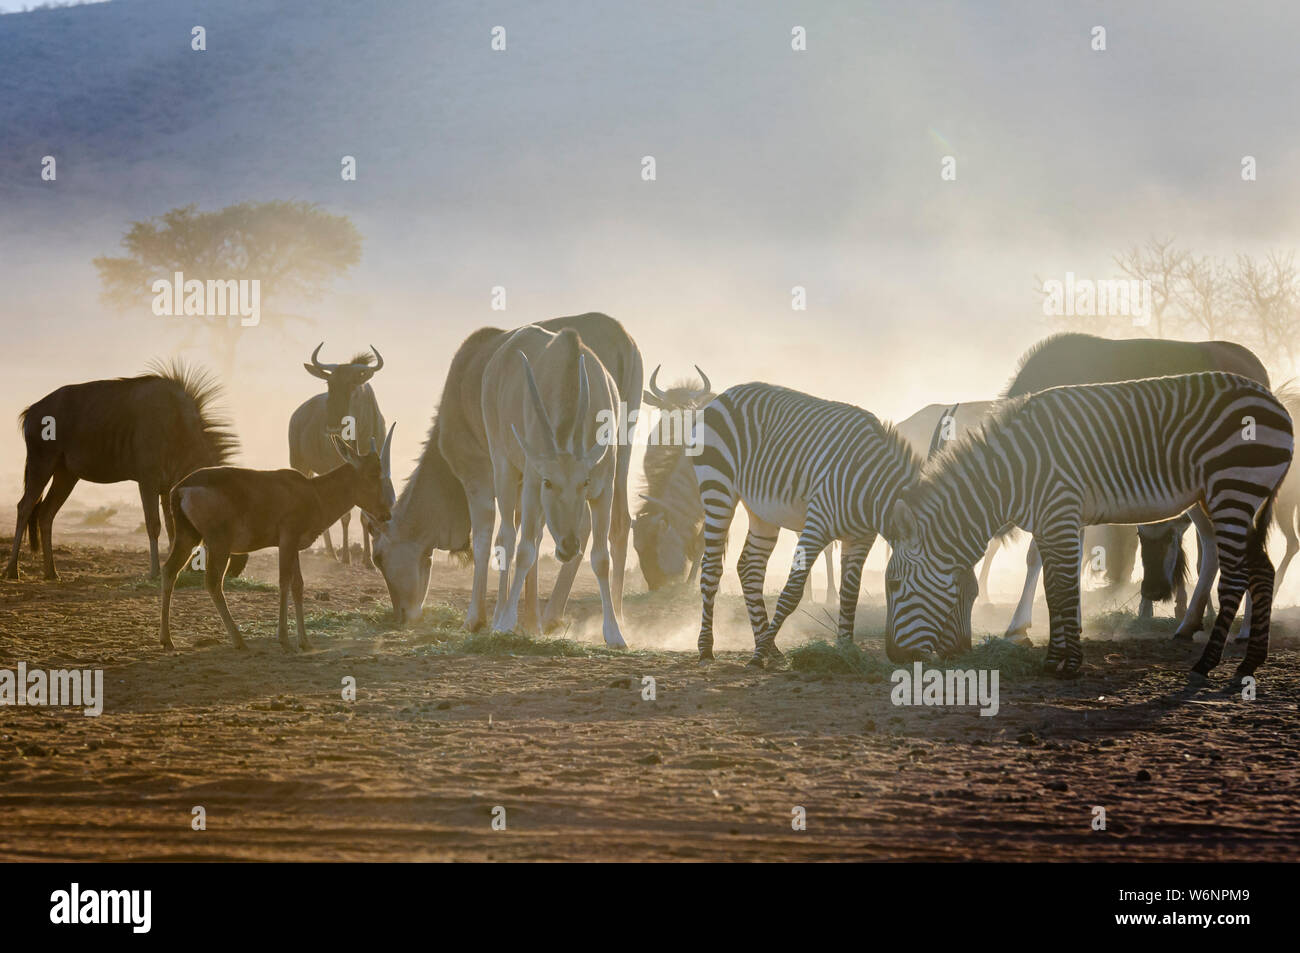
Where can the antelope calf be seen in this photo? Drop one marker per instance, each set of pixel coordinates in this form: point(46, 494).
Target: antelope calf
point(234, 510)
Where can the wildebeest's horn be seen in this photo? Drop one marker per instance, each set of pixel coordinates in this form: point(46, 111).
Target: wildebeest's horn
point(705, 378)
point(654, 386)
point(315, 359)
point(537, 403)
point(379, 361)
point(386, 452)
point(580, 416)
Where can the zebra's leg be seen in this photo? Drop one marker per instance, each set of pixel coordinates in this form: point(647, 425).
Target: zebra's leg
point(1260, 599)
point(853, 553)
point(1193, 619)
point(752, 569)
point(719, 510)
point(812, 541)
point(1018, 629)
point(1061, 548)
point(994, 545)
point(1234, 577)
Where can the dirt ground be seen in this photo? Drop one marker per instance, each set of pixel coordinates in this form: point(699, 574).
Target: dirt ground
point(713, 768)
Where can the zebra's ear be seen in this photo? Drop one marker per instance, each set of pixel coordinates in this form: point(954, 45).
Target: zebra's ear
point(900, 524)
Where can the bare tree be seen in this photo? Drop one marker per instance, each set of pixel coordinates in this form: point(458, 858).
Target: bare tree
point(1268, 293)
point(1205, 296)
point(1161, 264)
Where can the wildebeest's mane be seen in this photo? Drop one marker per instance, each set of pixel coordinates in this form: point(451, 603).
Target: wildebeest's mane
point(203, 388)
point(1050, 341)
point(362, 357)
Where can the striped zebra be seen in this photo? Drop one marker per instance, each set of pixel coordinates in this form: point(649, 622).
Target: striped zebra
point(824, 469)
point(1067, 457)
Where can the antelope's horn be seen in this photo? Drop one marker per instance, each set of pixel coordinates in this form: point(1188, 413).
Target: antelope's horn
point(537, 403)
point(315, 359)
point(386, 452)
point(580, 417)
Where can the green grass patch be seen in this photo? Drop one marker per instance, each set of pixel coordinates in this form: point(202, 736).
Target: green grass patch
point(1126, 622)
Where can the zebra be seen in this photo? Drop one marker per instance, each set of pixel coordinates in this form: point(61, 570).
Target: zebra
point(1057, 460)
point(825, 469)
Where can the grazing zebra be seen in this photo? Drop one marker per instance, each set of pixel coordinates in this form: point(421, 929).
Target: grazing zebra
point(1055, 461)
point(824, 469)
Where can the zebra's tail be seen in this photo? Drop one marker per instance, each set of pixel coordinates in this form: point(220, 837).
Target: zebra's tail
point(1257, 538)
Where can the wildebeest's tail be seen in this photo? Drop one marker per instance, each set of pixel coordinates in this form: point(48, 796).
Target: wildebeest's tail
point(203, 389)
point(33, 537)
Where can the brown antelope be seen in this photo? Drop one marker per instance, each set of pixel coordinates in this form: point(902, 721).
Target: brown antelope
point(234, 510)
point(348, 394)
point(448, 502)
point(544, 428)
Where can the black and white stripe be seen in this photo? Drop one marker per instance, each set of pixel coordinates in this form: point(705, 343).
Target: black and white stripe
point(824, 469)
point(1064, 458)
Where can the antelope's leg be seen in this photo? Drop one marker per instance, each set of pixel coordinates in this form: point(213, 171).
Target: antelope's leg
point(63, 483)
point(600, 565)
point(183, 543)
point(345, 553)
point(366, 560)
point(555, 605)
point(1018, 629)
point(213, 578)
point(482, 517)
point(620, 526)
point(303, 642)
point(152, 525)
point(288, 558)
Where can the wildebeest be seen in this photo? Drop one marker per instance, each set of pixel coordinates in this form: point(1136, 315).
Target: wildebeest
point(668, 528)
point(348, 394)
point(235, 510)
point(448, 501)
point(1066, 359)
point(547, 404)
point(153, 429)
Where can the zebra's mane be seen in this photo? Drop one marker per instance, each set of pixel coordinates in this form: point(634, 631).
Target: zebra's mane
point(896, 442)
point(957, 455)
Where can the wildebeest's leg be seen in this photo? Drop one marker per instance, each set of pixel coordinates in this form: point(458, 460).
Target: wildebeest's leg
point(1194, 618)
point(62, 486)
point(564, 579)
point(718, 514)
point(482, 516)
point(218, 560)
point(36, 474)
point(814, 538)
point(853, 553)
point(303, 642)
point(600, 565)
point(994, 545)
point(1018, 629)
point(329, 543)
point(183, 542)
point(345, 553)
point(152, 524)
point(752, 570)
point(1060, 547)
point(366, 559)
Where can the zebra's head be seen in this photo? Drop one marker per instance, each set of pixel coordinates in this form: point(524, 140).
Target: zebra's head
point(928, 597)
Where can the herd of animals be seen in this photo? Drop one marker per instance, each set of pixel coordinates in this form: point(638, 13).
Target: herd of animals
point(1091, 433)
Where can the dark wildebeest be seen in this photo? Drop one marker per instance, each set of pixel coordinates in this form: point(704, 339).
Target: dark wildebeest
point(153, 429)
point(234, 510)
point(1065, 359)
point(317, 420)
point(449, 503)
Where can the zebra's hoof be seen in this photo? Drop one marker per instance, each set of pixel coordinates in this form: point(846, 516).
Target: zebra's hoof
point(1197, 679)
point(755, 662)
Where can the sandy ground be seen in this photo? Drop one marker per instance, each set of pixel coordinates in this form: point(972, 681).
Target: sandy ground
point(584, 767)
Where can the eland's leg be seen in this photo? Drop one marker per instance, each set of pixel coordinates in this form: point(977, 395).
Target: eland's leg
point(559, 598)
point(507, 535)
point(1018, 629)
point(600, 565)
point(482, 518)
point(530, 536)
point(1193, 619)
point(989, 553)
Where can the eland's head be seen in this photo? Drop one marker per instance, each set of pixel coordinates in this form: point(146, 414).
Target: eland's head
point(928, 596)
point(569, 472)
point(342, 380)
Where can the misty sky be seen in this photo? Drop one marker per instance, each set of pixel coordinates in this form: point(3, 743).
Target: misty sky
point(522, 169)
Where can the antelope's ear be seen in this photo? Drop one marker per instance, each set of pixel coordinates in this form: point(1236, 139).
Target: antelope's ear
point(591, 459)
point(315, 371)
point(901, 525)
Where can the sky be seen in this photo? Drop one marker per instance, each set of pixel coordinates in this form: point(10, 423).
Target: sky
point(522, 168)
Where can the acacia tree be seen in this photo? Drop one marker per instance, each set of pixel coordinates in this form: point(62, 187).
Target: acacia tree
point(1161, 264)
point(1204, 291)
point(294, 249)
point(1267, 291)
